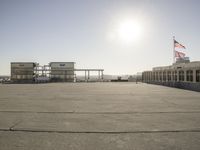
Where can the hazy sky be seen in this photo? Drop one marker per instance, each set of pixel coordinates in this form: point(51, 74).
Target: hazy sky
point(87, 32)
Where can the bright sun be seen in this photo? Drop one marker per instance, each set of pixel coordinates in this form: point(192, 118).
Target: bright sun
point(129, 31)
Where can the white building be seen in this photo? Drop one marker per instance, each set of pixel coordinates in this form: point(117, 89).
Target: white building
point(62, 71)
point(181, 74)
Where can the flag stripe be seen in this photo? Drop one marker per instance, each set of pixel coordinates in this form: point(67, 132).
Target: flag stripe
point(179, 54)
point(178, 45)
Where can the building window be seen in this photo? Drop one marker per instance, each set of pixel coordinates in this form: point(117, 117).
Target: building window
point(153, 76)
point(189, 75)
point(172, 75)
point(198, 75)
point(150, 76)
point(160, 76)
point(156, 76)
point(169, 75)
point(175, 76)
point(164, 76)
point(181, 75)
point(143, 76)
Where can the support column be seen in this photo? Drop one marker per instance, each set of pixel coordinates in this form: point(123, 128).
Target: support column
point(85, 76)
point(102, 74)
point(98, 75)
point(42, 71)
point(172, 76)
point(65, 78)
point(177, 75)
point(185, 76)
point(75, 78)
point(88, 74)
point(194, 75)
point(149, 76)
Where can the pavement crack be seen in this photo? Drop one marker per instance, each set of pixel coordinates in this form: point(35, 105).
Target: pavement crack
point(79, 112)
point(103, 132)
point(15, 124)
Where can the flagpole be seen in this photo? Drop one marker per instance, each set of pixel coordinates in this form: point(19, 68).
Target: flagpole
point(173, 50)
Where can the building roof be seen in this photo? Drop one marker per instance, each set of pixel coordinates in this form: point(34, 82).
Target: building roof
point(23, 62)
point(194, 64)
point(61, 62)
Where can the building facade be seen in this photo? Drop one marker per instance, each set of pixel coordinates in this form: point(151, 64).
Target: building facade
point(184, 75)
point(62, 71)
point(22, 72)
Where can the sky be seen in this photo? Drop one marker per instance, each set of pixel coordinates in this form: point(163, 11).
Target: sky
point(97, 33)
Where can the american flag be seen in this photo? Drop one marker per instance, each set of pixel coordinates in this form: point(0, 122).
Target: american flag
point(178, 45)
point(179, 54)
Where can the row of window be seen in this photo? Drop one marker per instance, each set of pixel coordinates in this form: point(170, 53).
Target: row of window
point(172, 76)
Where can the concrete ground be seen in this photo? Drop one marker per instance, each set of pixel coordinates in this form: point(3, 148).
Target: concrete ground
point(98, 116)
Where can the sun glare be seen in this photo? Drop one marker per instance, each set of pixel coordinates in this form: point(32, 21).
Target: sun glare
point(129, 31)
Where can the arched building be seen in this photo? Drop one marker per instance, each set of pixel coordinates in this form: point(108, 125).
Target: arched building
point(184, 75)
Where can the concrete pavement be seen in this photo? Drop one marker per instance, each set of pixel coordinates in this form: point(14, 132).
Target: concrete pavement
point(98, 116)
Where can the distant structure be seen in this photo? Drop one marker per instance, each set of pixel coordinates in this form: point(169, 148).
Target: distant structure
point(4, 78)
point(182, 74)
point(119, 79)
point(62, 71)
point(22, 71)
point(135, 78)
point(31, 72)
